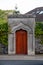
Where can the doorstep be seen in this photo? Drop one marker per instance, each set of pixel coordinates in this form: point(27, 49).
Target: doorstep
point(21, 57)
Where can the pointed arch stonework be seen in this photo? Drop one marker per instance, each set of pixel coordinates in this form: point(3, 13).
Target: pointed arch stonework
point(12, 41)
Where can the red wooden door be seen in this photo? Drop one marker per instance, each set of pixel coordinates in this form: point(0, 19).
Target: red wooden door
point(21, 42)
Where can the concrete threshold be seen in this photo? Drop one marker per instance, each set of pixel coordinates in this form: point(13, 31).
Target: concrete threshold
point(21, 57)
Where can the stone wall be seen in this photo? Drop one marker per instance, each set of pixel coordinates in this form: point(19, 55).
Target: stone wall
point(38, 46)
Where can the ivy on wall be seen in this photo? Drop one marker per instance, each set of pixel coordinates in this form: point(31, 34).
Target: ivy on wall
point(4, 33)
point(39, 31)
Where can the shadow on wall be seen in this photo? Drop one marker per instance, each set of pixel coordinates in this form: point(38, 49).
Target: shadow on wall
point(3, 49)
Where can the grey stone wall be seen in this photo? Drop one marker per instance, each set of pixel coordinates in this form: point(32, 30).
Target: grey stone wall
point(38, 46)
point(27, 21)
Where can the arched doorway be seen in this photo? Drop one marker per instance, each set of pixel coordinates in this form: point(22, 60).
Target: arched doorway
point(21, 41)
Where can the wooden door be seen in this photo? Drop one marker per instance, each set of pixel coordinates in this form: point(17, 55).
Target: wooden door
point(21, 42)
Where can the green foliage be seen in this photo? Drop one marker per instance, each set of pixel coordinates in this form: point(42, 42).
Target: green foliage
point(39, 31)
point(39, 28)
point(16, 12)
point(3, 28)
point(4, 33)
point(4, 39)
point(4, 25)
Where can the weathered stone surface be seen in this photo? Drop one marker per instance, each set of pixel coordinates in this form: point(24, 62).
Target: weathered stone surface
point(3, 49)
point(38, 46)
point(21, 16)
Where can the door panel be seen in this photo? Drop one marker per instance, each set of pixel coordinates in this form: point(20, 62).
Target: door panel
point(21, 42)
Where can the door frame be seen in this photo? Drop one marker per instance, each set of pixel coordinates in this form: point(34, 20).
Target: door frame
point(24, 27)
point(30, 49)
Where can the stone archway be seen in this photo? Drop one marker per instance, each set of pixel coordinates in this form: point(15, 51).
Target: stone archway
point(21, 41)
point(30, 39)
